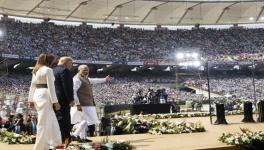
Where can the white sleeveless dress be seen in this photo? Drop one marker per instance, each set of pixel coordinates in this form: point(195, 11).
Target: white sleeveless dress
point(48, 130)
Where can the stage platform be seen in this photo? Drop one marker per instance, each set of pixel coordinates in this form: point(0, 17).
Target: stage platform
point(203, 141)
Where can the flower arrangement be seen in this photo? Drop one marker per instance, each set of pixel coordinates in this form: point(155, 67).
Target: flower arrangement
point(247, 139)
point(13, 138)
point(168, 127)
point(187, 115)
point(105, 144)
point(142, 124)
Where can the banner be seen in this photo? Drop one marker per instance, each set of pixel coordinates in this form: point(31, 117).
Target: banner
point(27, 57)
point(150, 62)
point(10, 56)
point(120, 62)
point(166, 62)
point(135, 63)
point(92, 62)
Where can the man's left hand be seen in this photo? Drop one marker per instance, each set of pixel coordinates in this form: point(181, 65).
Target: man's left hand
point(79, 108)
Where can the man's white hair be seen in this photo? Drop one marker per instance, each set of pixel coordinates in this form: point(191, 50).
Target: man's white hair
point(82, 67)
point(64, 60)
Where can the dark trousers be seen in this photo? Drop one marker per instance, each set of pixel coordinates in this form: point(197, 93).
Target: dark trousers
point(64, 119)
point(91, 129)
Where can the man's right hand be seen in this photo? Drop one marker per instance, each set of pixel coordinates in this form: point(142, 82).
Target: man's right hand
point(57, 106)
point(79, 107)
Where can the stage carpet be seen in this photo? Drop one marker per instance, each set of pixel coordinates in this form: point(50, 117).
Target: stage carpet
point(206, 140)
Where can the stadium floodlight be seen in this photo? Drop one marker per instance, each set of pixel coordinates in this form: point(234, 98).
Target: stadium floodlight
point(197, 63)
point(195, 55)
point(262, 18)
point(190, 63)
point(188, 55)
point(183, 64)
point(251, 18)
point(179, 55)
point(201, 68)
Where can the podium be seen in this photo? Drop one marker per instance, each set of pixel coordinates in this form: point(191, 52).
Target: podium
point(220, 114)
point(248, 112)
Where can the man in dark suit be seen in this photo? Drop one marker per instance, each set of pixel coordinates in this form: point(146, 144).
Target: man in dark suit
point(64, 92)
point(31, 125)
point(10, 125)
point(19, 124)
point(113, 129)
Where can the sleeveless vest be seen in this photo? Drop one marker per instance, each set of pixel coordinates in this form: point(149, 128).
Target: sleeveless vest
point(85, 92)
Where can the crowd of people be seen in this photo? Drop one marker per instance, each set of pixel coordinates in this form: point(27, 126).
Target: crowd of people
point(16, 84)
point(232, 87)
point(120, 91)
point(20, 124)
point(85, 42)
point(123, 90)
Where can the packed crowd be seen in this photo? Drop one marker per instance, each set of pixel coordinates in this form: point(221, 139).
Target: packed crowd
point(233, 87)
point(120, 91)
point(123, 90)
point(84, 42)
point(15, 84)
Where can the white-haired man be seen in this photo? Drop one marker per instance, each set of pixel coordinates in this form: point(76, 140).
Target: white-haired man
point(64, 92)
point(84, 100)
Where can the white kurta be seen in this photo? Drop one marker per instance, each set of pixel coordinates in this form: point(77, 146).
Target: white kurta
point(48, 130)
point(88, 113)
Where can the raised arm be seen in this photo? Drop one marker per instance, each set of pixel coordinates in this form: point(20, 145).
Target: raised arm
point(100, 80)
point(97, 80)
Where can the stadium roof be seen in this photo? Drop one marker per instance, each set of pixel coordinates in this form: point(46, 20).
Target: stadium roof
point(163, 12)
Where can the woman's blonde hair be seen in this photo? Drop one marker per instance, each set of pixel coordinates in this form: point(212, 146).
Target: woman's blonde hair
point(44, 60)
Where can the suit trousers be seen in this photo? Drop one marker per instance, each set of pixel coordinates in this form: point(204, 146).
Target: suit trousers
point(64, 119)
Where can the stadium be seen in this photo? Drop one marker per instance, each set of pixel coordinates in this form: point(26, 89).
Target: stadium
point(142, 74)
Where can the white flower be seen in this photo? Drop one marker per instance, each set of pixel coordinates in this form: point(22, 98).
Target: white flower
point(87, 146)
point(121, 141)
point(16, 135)
point(236, 142)
point(109, 145)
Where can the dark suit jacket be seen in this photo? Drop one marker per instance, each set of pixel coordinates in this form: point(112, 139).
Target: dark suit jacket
point(10, 126)
point(63, 85)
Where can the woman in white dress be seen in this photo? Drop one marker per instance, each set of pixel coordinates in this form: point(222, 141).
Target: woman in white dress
point(42, 96)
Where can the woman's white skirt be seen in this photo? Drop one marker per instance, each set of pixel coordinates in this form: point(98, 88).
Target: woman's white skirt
point(48, 130)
